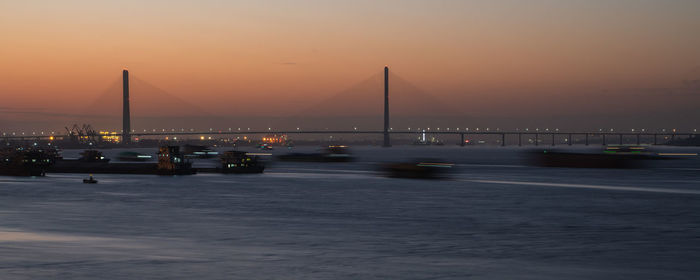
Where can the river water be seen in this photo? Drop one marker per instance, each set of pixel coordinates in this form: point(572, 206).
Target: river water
point(496, 217)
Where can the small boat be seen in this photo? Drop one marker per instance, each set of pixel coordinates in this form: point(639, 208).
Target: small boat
point(90, 180)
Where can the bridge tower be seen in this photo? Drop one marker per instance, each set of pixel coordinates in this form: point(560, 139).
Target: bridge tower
point(126, 115)
point(387, 140)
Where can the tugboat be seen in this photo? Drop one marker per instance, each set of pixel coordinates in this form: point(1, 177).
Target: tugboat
point(426, 169)
point(240, 162)
point(24, 162)
point(90, 180)
point(172, 162)
point(334, 153)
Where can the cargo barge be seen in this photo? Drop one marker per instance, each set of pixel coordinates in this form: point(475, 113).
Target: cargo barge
point(170, 162)
point(25, 161)
point(236, 162)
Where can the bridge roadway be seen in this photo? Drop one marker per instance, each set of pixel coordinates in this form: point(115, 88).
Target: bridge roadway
point(603, 136)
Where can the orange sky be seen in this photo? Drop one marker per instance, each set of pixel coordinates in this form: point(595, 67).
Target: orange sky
point(63, 54)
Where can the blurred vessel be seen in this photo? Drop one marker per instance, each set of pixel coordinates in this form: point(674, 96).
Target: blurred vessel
point(610, 157)
point(265, 147)
point(197, 151)
point(425, 169)
point(334, 153)
point(88, 159)
point(133, 156)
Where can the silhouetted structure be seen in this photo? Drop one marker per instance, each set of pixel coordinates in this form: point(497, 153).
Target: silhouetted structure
point(126, 116)
point(387, 141)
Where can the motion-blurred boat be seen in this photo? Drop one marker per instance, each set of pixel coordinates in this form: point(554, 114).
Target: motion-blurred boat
point(334, 153)
point(418, 170)
point(133, 156)
point(197, 151)
point(265, 147)
point(610, 157)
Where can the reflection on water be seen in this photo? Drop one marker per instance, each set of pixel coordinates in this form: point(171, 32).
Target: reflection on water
point(494, 219)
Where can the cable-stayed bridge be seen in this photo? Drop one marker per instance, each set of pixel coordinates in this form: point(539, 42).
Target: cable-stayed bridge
point(534, 137)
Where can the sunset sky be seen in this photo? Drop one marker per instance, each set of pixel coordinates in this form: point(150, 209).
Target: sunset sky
point(57, 56)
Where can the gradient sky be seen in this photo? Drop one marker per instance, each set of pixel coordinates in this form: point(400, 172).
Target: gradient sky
point(58, 55)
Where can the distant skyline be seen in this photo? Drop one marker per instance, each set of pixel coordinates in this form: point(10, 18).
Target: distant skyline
point(532, 61)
